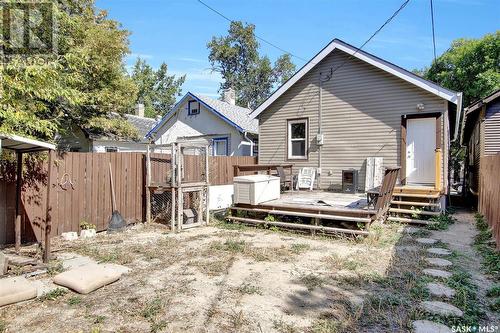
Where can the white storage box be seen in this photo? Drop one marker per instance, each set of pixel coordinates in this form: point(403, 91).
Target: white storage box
point(254, 189)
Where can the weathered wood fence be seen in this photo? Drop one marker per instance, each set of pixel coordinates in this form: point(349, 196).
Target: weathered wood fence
point(489, 193)
point(80, 191)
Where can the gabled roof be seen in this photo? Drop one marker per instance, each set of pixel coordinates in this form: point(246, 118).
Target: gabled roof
point(236, 116)
point(337, 44)
point(142, 124)
point(473, 108)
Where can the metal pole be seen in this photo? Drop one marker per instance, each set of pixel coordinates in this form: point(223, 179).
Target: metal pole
point(48, 221)
point(148, 183)
point(207, 169)
point(17, 226)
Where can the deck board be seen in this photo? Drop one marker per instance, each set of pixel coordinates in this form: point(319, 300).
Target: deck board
point(313, 199)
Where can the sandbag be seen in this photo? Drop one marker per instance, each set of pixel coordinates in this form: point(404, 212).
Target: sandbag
point(16, 289)
point(87, 278)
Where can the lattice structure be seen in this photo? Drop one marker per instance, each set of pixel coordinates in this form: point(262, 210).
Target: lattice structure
point(177, 180)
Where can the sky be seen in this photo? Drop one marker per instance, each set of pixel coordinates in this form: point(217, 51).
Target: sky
point(177, 31)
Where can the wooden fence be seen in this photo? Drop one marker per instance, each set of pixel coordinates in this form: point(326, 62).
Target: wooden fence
point(489, 193)
point(80, 191)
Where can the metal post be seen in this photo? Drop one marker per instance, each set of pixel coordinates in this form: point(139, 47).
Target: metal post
point(207, 194)
point(173, 175)
point(148, 183)
point(48, 221)
point(17, 226)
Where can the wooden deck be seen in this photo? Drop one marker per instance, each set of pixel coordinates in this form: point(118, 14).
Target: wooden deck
point(320, 199)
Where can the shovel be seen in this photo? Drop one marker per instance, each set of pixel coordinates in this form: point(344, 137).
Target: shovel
point(116, 222)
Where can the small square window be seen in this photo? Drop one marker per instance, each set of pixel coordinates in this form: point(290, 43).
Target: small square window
point(193, 108)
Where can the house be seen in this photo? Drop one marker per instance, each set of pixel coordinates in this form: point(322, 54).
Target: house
point(346, 105)
point(84, 140)
point(228, 128)
point(480, 136)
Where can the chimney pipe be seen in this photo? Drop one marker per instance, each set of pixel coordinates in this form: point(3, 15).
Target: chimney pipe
point(139, 110)
point(229, 96)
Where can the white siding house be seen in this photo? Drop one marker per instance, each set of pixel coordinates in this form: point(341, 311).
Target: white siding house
point(227, 127)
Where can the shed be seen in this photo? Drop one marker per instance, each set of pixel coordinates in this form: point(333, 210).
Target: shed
point(21, 145)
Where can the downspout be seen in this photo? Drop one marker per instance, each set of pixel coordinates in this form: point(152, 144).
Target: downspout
point(245, 135)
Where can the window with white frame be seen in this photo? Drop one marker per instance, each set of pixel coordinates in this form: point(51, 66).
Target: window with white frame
point(193, 108)
point(297, 139)
point(220, 147)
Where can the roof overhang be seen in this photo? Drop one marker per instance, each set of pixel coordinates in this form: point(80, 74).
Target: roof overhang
point(23, 145)
point(474, 107)
point(400, 72)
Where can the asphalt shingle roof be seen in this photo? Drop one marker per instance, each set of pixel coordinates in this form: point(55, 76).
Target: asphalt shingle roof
point(236, 114)
point(143, 124)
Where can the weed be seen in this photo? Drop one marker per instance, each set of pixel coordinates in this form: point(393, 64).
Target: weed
point(157, 326)
point(53, 294)
point(298, 248)
point(152, 308)
point(270, 218)
point(491, 257)
point(55, 267)
point(326, 326)
point(247, 288)
point(441, 222)
point(99, 319)
point(74, 300)
point(311, 281)
point(3, 326)
point(84, 225)
point(495, 305)
point(230, 245)
point(494, 291)
point(237, 320)
point(283, 327)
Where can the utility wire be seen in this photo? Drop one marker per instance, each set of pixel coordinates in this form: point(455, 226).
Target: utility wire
point(433, 31)
point(257, 36)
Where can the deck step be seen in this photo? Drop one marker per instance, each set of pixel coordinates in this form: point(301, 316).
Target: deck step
point(411, 211)
point(302, 214)
point(414, 195)
point(412, 203)
point(297, 226)
point(410, 221)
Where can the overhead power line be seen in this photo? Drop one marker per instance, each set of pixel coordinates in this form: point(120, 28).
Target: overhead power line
point(257, 36)
point(433, 31)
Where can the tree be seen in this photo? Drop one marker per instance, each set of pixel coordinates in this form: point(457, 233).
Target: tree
point(156, 89)
point(80, 85)
point(470, 66)
point(236, 58)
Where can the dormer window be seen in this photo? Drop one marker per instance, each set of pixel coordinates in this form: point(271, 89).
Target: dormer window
point(193, 108)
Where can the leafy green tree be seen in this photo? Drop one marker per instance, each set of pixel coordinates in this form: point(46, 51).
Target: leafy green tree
point(79, 86)
point(236, 57)
point(469, 65)
point(156, 89)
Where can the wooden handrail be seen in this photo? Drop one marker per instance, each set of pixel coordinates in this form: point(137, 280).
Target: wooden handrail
point(260, 167)
point(437, 168)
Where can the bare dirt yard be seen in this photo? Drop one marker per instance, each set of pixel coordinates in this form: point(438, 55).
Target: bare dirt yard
point(232, 278)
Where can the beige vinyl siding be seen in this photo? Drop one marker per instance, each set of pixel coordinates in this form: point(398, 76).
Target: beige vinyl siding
point(492, 129)
point(362, 109)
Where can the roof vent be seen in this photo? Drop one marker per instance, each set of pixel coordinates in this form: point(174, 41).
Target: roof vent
point(229, 96)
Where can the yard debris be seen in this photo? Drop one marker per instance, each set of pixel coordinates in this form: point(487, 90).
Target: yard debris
point(69, 236)
point(16, 289)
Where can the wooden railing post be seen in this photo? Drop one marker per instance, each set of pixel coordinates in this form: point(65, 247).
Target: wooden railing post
point(438, 169)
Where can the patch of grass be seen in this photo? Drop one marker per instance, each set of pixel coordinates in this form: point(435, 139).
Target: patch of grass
point(237, 320)
point(230, 245)
point(494, 291)
point(53, 294)
point(55, 267)
point(249, 289)
point(350, 263)
point(227, 225)
point(283, 327)
point(99, 319)
point(495, 305)
point(298, 248)
point(311, 281)
point(484, 245)
point(74, 300)
point(152, 308)
point(326, 326)
point(465, 297)
point(442, 222)
point(383, 235)
point(158, 326)
point(103, 255)
point(3, 326)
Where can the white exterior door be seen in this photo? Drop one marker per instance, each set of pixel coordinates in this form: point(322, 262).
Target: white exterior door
point(420, 151)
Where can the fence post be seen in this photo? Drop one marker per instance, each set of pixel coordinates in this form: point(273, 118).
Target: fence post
point(148, 183)
point(207, 205)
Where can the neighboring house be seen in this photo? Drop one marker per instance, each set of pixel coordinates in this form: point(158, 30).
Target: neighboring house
point(346, 105)
point(225, 126)
point(81, 140)
point(480, 136)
